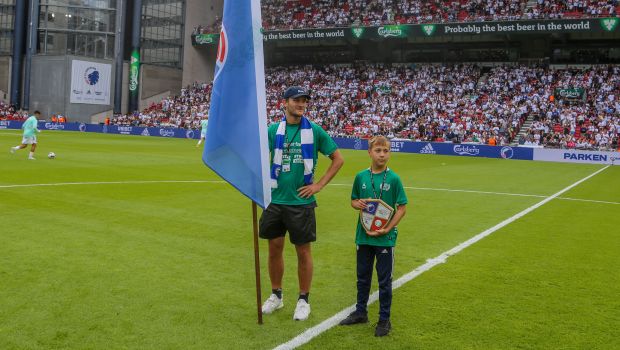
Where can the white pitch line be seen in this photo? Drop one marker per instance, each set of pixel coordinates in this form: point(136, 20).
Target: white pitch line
point(137, 182)
point(463, 191)
point(586, 200)
point(310, 333)
point(113, 183)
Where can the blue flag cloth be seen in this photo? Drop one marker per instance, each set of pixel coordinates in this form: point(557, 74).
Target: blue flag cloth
point(236, 145)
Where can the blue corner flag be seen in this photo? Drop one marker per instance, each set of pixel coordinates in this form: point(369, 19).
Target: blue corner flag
point(236, 145)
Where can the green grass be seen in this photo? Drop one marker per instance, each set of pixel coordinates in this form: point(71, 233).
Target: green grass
point(170, 265)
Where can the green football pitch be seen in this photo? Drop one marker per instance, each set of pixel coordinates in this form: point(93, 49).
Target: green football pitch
point(127, 242)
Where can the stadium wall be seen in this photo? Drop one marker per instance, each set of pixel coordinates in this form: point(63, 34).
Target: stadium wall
point(199, 65)
point(50, 88)
point(5, 78)
point(157, 80)
point(448, 149)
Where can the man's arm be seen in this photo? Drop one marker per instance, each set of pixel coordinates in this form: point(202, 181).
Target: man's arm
point(337, 162)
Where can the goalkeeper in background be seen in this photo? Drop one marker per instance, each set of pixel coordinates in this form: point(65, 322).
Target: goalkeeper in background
point(30, 134)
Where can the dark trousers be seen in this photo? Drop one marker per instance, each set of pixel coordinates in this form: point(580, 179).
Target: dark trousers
point(366, 255)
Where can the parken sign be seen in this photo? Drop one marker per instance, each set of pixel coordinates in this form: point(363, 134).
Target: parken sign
point(576, 156)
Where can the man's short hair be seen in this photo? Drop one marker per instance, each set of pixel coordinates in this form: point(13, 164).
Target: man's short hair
point(37, 112)
point(379, 140)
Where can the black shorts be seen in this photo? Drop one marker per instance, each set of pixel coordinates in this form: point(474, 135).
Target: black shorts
point(298, 220)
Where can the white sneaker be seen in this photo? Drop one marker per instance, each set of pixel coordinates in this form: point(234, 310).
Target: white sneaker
point(272, 304)
point(12, 150)
point(32, 158)
point(302, 310)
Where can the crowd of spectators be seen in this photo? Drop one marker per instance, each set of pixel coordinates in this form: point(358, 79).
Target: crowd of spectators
point(295, 14)
point(208, 29)
point(588, 122)
point(183, 111)
point(298, 14)
point(458, 103)
point(572, 9)
point(7, 112)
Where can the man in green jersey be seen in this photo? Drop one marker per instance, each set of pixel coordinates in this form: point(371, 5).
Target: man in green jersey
point(376, 182)
point(30, 134)
point(294, 144)
point(203, 130)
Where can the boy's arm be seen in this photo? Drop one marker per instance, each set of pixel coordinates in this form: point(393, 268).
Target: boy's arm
point(337, 162)
point(400, 212)
point(357, 202)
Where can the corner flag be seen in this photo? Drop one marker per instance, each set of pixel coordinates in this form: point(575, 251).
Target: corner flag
point(236, 146)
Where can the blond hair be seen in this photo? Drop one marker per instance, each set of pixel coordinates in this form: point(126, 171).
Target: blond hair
point(378, 141)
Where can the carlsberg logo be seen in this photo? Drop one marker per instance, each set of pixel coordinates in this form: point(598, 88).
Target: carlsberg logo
point(428, 29)
point(388, 31)
point(569, 93)
point(204, 39)
point(133, 79)
point(609, 24)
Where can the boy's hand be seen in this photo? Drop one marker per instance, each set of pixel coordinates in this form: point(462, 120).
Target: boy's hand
point(379, 232)
point(358, 204)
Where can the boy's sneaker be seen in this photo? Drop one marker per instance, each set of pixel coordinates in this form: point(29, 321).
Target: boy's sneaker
point(12, 150)
point(272, 304)
point(383, 328)
point(32, 158)
point(354, 318)
point(302, 310)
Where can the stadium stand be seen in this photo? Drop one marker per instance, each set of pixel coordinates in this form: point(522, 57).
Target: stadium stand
point(207, 29)
point(7, 112)
point(458, 103)
point(297, 14)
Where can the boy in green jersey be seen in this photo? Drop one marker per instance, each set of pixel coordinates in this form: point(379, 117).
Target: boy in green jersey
point(30, 134)
point(376, 182)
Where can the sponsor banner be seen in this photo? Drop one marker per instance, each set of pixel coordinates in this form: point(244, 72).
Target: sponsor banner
point(351, 143)
point(108, 129)
point(134, 71)
point(590, 25)
point(570, 93)
point(142, 131)
point(386, 32)
point(308, 34)
point(448, 149)
point(576, 156)
point(90, 82)
point(205, 39)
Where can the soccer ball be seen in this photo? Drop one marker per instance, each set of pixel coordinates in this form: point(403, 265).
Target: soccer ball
point(51, 155)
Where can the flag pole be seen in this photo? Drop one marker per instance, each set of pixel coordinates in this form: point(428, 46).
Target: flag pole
point(257, 263)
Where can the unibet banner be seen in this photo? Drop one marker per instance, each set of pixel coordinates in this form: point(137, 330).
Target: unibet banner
point(90, 82)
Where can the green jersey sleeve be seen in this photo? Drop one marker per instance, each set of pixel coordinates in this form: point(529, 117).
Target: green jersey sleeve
point(324, 143)
point(355, 192)
point(401, 195)
point(271, 135)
